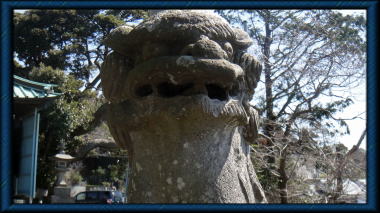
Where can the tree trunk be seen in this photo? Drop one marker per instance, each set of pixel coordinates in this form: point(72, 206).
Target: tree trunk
point(283, 179)
point(267, 73)
point(269, 126)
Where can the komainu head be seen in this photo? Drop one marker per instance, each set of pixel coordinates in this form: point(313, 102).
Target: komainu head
point(181, 63)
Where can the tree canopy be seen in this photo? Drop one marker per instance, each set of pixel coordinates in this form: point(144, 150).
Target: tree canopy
point(69, 40)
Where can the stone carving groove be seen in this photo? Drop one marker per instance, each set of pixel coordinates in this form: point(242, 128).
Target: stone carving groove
point(179, 86)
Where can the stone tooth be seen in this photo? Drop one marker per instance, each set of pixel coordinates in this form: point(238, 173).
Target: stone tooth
point(230, 110)
point(241, 110)
point(216, 111)
point(209, 107)
point(204, 105)
point(235, 111)
point(224, 110)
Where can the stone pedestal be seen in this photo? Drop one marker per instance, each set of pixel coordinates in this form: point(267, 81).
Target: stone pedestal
point(62, 195)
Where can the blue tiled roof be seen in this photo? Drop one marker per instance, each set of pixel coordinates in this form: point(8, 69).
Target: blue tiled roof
point(24, 88)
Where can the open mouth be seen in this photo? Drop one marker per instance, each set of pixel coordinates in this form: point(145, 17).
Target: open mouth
point(169, 90)
point(169, 77)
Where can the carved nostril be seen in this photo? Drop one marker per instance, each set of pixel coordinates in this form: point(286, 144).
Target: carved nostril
point(144, 90)
point(216, 92)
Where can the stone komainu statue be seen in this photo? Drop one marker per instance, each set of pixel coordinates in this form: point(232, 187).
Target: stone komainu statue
point(179, 86)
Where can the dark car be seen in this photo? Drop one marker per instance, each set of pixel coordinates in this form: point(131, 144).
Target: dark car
point(102, 197)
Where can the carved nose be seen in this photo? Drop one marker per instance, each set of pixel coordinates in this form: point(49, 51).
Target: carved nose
point(205, 48)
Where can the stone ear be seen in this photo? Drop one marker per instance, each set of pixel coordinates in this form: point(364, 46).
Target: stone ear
point(113, 72)
point(249, 63)
point(252, 69)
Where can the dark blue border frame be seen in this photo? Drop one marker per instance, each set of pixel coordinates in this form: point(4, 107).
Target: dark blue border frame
point(6, 99)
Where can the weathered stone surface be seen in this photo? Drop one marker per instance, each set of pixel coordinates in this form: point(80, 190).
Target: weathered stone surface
point(178, 87)
point(116, 39)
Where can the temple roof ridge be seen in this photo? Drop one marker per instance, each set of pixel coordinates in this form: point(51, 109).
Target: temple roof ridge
point(25, 88)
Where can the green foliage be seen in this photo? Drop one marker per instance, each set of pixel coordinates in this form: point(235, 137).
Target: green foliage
point(107, 22)
point(99, 171)
point(106, 184)
point(69, 40)
point(109, 175)
point(128, 15)
point(73, 109)
point(47, 74)
point(20, 70)
point(117, 172)
point(75, 177)
point(36, 34)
